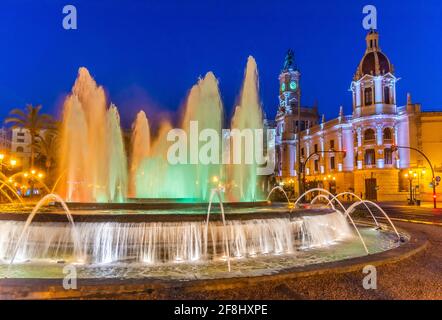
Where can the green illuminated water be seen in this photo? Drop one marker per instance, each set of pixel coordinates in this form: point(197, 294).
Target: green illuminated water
point(156, 177)
point(94, 162)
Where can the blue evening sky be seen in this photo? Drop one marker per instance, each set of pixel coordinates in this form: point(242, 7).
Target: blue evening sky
point(147, 54)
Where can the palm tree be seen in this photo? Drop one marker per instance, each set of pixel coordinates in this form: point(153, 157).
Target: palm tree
point(46, 145)
point(32, 120)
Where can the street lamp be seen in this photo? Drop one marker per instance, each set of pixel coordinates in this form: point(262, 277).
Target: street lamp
point(410, 177)
point(395, 148)
point(12, 162)
point(303, 164)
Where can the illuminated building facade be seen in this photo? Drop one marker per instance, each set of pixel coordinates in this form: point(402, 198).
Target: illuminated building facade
point(368, 167)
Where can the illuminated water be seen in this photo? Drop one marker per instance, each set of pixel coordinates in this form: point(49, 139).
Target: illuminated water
point(248, 115)
point(92, 156)
point(377, 241)
point(181, 244)
point(159, 242)
point(156, 177)
point(95, 166)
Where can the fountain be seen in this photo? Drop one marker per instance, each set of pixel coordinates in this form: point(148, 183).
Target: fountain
point(76, 240)
point(283, 192)
point(217, 192)
point(147, 217)
point(92, 151)
point(248, 115)
point(155, 176)
point(140, 143)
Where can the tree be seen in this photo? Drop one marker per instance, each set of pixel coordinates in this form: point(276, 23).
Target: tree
point(32, 120)
point(46, 145)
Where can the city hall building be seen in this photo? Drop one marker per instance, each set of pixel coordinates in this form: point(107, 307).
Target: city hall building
point(354, 152)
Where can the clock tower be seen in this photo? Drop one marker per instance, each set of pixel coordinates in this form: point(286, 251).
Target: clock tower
point(289, 90)
point(291, 119)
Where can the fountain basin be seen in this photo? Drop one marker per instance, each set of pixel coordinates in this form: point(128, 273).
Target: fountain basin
point(175, 245)
point(157, 204)
point(189, 214)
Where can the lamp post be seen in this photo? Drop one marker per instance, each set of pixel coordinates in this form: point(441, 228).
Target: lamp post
point(11, 165)
point(395, 148)
point(304, 164)
point(411, 175)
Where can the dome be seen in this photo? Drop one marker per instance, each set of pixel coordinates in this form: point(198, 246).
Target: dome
point(368, 63)
point(374, 62)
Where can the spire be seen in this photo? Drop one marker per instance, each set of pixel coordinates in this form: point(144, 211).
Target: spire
point(323, 118)
point(341, 111)
point(289, 63)
point(372, 40)
point(409, 99)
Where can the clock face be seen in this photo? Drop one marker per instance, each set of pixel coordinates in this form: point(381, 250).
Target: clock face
point(293, 85)
point(283, 87)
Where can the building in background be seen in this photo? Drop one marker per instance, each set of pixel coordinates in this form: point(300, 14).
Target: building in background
point(21, 146)
point(5, 140)
point(353, 152)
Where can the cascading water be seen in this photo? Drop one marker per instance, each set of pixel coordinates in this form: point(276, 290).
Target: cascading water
point(92, 153)
point(165, 242)
point(74, 239)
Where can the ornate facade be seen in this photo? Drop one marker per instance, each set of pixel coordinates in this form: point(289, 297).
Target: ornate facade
point(354, 152)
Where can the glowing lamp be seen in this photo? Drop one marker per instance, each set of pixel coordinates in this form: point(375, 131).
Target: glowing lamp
point(32, 171)
point(13, 162)
point(2, 156)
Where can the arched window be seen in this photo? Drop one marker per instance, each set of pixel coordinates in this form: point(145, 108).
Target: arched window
point(387, 99)
point(369, 135)
point(19, 149)
point(388, 136)
point(368, 94)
